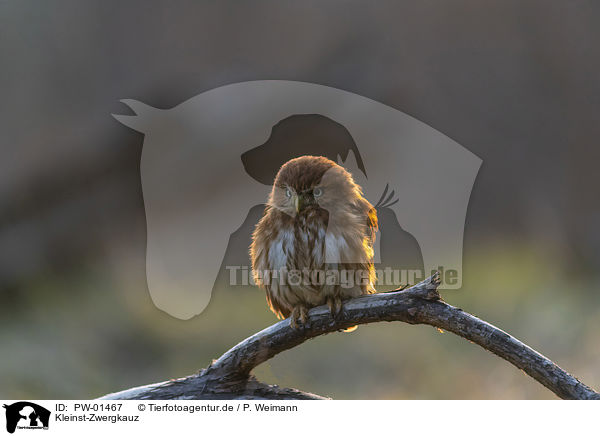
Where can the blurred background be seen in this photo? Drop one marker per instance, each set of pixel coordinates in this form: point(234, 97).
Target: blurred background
point(514, 82)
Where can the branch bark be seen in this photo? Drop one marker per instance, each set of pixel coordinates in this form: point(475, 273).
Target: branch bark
point(229, 376)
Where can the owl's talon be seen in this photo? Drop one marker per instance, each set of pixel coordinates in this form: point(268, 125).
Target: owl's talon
point(331, 305)
point(335, 306)
point(299, 313)
point(304, 315)
point(338, 305)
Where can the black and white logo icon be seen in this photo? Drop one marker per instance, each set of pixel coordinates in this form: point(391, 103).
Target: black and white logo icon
point(26, 415)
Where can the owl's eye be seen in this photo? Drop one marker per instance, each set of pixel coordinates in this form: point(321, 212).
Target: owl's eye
point(317, 192)
point(288, 192)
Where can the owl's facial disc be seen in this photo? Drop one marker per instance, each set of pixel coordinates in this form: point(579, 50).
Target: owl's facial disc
point(309, 182)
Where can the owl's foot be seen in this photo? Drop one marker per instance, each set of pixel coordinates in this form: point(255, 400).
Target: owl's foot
point(335, 306)
point(299, 313)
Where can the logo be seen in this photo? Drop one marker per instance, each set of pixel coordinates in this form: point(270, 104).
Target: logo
point(210, 160)
point(26, 415)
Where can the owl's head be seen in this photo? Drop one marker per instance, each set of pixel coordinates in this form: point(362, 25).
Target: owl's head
point(313, 182)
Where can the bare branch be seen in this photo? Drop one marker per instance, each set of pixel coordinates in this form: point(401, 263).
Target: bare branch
point(229, 376)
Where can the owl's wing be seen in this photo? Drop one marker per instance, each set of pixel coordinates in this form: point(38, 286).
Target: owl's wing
point(263, 263)
point(279, 309)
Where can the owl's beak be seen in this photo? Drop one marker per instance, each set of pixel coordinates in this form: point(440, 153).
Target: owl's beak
point(303, 200)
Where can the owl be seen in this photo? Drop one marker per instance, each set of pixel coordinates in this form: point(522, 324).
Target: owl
point(314, 242)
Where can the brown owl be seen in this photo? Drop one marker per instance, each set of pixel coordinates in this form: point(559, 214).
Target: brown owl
point(314, 243)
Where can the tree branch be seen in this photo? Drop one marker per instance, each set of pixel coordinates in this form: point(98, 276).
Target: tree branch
point(229, 376)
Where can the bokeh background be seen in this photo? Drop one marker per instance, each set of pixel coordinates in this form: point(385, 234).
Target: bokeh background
point(514, 82)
